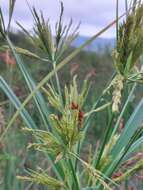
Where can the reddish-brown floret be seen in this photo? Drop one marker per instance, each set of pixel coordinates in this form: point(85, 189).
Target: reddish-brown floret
point(74, 106)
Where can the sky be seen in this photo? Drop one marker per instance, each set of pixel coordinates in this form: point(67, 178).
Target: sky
point(93, 14)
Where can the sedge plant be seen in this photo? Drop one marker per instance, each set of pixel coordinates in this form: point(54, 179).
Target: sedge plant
point(64, 122)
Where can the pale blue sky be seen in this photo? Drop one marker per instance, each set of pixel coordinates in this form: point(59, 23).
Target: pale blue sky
point(93, 14)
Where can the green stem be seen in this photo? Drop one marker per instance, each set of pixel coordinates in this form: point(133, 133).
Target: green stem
point(75, 185)
point(10, 78)
point(117, 15)
point(77, 151)
point(126, 184)
point(57, 80)
point(107, 133)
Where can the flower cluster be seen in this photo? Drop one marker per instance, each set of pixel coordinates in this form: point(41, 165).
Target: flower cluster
point(66, 123)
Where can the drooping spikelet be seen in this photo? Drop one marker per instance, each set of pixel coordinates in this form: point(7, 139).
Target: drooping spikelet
point(117, 93)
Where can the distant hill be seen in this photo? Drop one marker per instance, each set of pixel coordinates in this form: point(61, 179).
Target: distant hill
point(98, 45)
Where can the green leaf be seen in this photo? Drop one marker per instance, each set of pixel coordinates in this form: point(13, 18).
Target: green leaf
point(39, 100)
point(133, 123)
point(128, 64)
point(25, 52)
point(15, 101)
point(135, 145)
point(90, 188)
point(11, 9)
point(121, 149)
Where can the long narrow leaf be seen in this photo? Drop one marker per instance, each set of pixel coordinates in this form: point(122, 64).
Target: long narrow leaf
point(39, 100)
point(15, 101)
point(133, 123)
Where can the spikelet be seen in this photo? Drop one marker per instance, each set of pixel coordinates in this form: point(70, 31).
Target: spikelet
point(130, 41)
point(53, 43)
point(45, 142)
point(41, 177)
point(118, 84)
